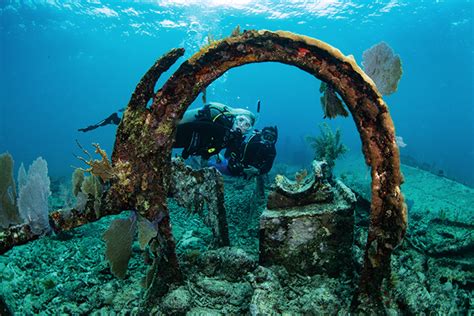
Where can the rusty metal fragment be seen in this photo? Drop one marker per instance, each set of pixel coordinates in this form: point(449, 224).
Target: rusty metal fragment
point(145, 88)
point(67, 219)
point(313, 188)
point(369, 112)
point(59, 220)
point(311, 238)
point(193, 189)
point(15, 236)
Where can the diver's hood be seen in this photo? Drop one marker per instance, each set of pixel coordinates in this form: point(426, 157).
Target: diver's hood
point(270, 134)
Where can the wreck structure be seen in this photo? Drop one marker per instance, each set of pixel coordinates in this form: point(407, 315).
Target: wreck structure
point(308, 225)
point(139, 176)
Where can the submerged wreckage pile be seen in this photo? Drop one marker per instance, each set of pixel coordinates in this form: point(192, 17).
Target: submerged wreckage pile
point(139, 176)
point(308, 226)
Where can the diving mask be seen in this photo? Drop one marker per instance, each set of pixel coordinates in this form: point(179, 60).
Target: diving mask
point(243, 123)
point(269, 138)
point(270, 135)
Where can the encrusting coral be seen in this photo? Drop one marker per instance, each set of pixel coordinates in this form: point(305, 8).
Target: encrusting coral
point(383, 66)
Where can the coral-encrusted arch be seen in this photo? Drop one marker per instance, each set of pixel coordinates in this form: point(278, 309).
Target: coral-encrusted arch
point(145, 168)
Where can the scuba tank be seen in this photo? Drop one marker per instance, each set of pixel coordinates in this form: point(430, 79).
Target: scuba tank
point(216, 113)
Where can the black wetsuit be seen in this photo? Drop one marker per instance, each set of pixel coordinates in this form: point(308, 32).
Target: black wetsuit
point(208, 134)
point(254, 153)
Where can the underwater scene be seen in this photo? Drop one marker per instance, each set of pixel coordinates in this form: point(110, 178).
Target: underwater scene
point(240, 157)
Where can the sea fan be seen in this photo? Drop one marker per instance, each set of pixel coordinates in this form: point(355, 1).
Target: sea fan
point(118, 239)
point(33, 197)
point(383, 66)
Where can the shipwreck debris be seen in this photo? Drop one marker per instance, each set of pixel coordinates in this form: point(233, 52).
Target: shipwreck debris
point(308, 227)
point(141, 157)
point(312, 188)
point(193, 189)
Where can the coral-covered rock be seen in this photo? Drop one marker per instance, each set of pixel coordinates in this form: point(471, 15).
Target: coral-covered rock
point(177, 301)
point(230, 263)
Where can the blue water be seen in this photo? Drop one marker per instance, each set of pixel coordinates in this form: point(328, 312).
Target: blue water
point(68, 64)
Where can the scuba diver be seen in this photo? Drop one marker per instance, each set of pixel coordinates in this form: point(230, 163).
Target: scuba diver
point(255, 156)
point(111, 119)
point(206, 131)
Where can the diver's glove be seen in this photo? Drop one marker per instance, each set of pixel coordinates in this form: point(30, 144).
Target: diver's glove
point(250, 172)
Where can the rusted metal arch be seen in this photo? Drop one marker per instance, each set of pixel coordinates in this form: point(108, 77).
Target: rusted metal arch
point(144, 140)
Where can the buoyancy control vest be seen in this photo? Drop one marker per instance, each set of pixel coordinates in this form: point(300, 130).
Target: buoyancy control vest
point(208, 132)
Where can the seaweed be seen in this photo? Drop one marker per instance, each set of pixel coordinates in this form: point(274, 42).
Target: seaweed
point(327, 146)
point(332, 105)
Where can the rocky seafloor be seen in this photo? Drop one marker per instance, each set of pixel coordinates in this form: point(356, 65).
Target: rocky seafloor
point(68, 273)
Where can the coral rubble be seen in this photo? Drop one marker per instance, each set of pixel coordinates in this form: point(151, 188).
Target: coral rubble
point(69, 275)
